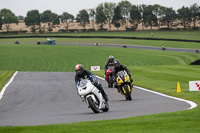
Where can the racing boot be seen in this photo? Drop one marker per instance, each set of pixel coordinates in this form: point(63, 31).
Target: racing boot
point(103, 92)
point(118, 89)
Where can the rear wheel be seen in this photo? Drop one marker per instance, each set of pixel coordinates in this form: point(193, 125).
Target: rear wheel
point(127, 93)
point(93, 105)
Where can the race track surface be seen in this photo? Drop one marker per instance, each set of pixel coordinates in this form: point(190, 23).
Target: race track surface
point(41, 98)
point(138, 47)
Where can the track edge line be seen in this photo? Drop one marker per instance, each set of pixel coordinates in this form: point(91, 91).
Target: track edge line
point(192, 104)
point(7, 84)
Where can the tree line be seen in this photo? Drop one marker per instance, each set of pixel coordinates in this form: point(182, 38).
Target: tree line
point(121, 14)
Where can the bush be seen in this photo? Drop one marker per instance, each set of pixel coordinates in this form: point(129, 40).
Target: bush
point(62, 30)
point(131, 29)
point(166, 29)
point(102, 29)
point(73, 30)
point(82, 30)
point(13, 32)
point(91, 30)
point(195, 28)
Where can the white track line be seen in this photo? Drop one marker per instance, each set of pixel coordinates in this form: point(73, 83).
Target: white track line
point(192, 104)
point(7, 84)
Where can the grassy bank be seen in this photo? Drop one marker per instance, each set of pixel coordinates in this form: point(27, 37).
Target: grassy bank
point(56, 58)
point(172, 44)
point(189, 35)
point(156, 70)
point(4, 76)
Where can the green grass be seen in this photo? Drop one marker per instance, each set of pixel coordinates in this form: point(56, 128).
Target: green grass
point(63, 58)
point(172, 44)
point(4, 76)
point(189, 35)
point(156, 70)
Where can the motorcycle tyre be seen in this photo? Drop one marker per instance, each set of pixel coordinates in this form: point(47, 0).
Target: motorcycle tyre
point(92, 106)
point(111, 82)
point(111, 85)
point(127, 94)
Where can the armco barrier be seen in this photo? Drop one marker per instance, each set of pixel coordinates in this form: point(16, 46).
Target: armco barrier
point(107, 37)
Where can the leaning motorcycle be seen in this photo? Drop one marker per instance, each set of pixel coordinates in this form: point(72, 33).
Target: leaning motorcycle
point(109, 76)
point(124, 84)
point(92, 96)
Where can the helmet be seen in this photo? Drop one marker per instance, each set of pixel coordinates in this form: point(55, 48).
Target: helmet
point(111, 58)
point(116, 63)
point(79, 69)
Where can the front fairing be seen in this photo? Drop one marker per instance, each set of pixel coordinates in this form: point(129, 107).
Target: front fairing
point(85, 87)
point(122, 77)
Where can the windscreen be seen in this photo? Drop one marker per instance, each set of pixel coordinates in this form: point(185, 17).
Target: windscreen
point(83, 83)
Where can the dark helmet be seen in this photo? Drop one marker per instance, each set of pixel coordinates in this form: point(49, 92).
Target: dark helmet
point(111, 58)
point(79, 69)
point(116, 63)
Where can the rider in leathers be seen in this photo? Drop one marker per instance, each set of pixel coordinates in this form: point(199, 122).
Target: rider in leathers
point(85, 74)
point(120, 67)
point(110, 62)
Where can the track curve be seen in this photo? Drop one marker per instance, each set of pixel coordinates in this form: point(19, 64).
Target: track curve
point(41, 98)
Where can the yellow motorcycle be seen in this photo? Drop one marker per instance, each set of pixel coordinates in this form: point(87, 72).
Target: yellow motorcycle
point(124, 84)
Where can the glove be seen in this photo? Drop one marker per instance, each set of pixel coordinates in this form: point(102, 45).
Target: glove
point(114, 79)
point(94, 83)
point(131, 80)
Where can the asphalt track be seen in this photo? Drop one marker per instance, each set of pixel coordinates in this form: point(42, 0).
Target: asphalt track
point(127, 46)
point(136, 47)
point(41, 98)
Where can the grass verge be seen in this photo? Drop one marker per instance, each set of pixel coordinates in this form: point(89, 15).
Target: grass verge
point(188, 35)
point(4, 76)
point(172, 44)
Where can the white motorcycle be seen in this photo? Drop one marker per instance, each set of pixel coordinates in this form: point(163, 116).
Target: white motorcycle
point(92, 96)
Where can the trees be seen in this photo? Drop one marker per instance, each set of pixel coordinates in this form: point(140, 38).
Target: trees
point(8, 17)
point(1, 22)
point(100, 16)
point(125, 7)
point(117, 17)
point(66, 18)
point(83, 18)
point(50, 18)
point(159, 11)
point(135, 16)
point(20, 17)
point(169, 17)
point(149, 19)
point(32, 19)
point(109, 12)
point(195, 11)
point(184, 16)
point(92, 14)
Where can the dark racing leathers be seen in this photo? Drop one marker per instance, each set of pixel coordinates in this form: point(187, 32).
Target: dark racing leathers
point(108, 63)
point(89, 75)
point(121, 68)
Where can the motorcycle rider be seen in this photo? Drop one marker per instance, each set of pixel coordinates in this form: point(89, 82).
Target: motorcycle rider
point(81, 73)
point(110, 62)
point(120, 67)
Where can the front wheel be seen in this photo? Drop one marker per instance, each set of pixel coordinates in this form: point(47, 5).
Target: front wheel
point(93, 105)
point(127, 93)
point(111, 81)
